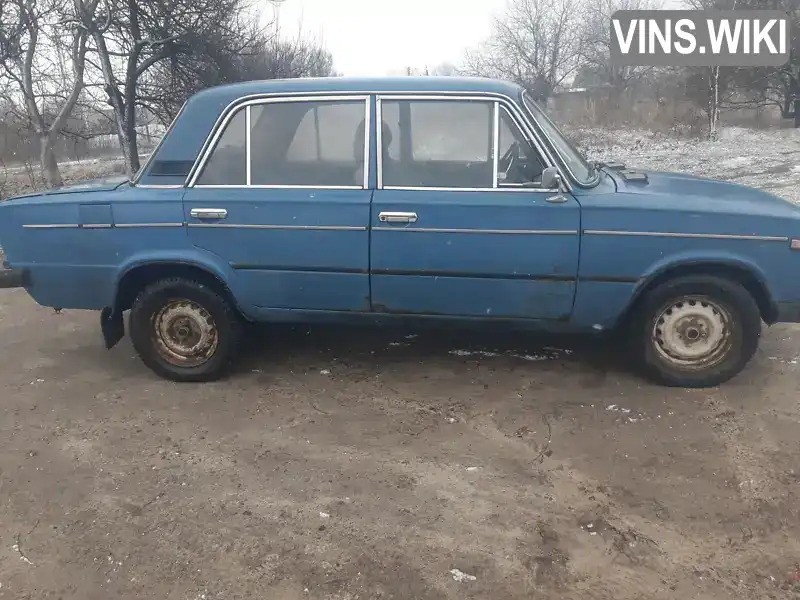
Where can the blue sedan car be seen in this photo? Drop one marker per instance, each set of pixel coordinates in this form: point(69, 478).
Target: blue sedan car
point(386, 199)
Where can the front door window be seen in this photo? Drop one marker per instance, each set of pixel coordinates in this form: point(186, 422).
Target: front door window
point(436, 144)
point(454, 144)
point(518, 164)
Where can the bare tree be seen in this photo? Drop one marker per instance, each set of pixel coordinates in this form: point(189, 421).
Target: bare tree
point(132, 39)
point(282, 58)
point(779, 86)
point(264, 53)
point(712, 87)
point(30, 31)
point(536, 43)
point(595, 47)
point(444, 69)
point(3, 178)
point(96, 25)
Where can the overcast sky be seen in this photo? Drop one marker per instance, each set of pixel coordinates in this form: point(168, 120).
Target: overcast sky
point(378, 37)
point(382, 37)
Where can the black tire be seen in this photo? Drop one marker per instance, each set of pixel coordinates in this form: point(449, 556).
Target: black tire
point(197, 313)
point(687, 307)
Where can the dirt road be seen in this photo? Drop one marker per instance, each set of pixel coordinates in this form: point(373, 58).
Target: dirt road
point(361, 464)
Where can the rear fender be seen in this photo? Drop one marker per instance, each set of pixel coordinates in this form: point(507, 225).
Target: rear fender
point(192, 257)
point(111, 321)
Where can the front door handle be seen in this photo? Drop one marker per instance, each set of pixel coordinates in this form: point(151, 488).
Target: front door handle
point(397, 217)
point(209, 213)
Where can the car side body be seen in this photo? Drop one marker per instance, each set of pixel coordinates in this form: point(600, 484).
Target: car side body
point(342, 199)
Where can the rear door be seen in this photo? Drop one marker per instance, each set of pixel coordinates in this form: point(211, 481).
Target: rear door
point(460, 224)
point(282, 196)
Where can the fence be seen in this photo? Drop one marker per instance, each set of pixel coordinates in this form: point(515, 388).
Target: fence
point(605, 107)
point(19, 146)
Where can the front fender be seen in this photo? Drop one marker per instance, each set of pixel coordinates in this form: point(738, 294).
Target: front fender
point(604, 304)
point(694, 259)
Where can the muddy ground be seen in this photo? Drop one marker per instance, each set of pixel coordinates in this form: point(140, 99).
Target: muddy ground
point(346, 464)
point(364, 464)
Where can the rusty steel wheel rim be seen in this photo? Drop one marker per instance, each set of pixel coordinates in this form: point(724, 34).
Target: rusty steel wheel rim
point(185, 334)
point(693, 333)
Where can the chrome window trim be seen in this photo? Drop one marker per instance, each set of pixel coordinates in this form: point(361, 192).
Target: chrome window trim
point(50, 226)
point(506, 102)
point(495, 143)
point(711, 236)
point(379, 141)
point(241, 186)
point(501, 190)
point(159, 186)
point(227, 115)
point(248, 166)
point(367, 132)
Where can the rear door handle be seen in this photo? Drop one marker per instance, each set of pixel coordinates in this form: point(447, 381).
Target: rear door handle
point(209, 213)
point(397, 217)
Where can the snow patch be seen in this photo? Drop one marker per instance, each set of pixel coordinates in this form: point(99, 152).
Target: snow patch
point(764, 159)
point(461, 577)
point(550, 354)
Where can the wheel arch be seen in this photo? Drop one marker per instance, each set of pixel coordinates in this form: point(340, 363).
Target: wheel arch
point(133, 279)
point(747, 275)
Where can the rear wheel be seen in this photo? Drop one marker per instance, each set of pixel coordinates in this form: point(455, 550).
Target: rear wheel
point(185, 331)
point(696, 331)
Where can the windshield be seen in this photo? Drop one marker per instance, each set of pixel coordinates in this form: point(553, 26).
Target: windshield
point(583, 171)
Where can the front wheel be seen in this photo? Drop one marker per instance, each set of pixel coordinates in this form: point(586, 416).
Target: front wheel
point(696, 331)
point(184, 331)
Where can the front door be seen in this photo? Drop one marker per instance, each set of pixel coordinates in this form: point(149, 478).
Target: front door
point(283, 198)
point(459, 226)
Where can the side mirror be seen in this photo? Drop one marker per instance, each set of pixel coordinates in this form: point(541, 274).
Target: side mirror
point(551, 179)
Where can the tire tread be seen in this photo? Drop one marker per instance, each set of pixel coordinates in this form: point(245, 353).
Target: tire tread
point(229, 319)
point(745, 314)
